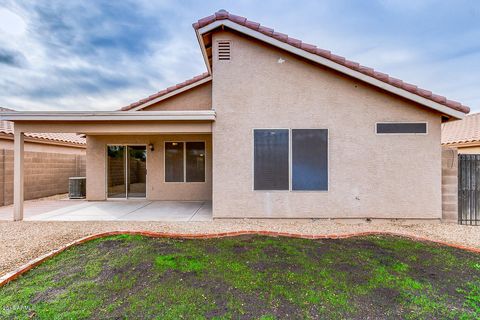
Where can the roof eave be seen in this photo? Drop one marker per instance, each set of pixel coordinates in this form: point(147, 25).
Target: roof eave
point(9, 136)
point(462, 144)
point(170, 94)
point(325, 62)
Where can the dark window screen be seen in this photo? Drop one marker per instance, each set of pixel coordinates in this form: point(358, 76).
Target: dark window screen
point(309, 159)
point(271, 159)
point(402, 127)
point(195, 161)
point(174, 162)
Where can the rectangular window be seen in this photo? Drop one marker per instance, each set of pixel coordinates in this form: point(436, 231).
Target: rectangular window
point(195, 161)
point(174, 169)
point(271, 164)
point(184, 161)
point(401, 128)
point(310, 159)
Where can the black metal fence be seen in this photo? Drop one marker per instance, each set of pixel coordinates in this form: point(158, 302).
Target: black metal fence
point(469, 189)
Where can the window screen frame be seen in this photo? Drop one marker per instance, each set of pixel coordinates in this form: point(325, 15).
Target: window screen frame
point(401, 134)
point(290, 162)
point(184, 162)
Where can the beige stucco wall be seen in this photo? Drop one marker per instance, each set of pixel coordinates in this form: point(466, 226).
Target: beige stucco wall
point(157, 189)
point(197, 98)
point(389, 176)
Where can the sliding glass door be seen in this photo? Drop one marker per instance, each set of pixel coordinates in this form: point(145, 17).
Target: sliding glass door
point(137, 172)
point(126, 171)
point(116, 172)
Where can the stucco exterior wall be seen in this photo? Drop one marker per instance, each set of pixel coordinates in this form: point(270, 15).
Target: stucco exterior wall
point(377, 176)
point(198, 98)
point(157, 188)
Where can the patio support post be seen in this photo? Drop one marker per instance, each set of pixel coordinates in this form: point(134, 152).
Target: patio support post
point(18, 188)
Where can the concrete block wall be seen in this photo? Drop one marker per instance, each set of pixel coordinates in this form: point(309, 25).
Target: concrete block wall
point(449, 184)
point(46, 174)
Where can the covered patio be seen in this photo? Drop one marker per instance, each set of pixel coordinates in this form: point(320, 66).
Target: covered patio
point(160, 199)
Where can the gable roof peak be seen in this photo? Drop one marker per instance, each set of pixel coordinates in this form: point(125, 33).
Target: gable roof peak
point(338, 60)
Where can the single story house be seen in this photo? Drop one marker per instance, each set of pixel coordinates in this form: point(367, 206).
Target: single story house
point(50, 159)
point(464, 135)
point(276, 128)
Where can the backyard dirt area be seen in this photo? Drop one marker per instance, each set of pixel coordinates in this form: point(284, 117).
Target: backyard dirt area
point(249, 277)
point(22, 241)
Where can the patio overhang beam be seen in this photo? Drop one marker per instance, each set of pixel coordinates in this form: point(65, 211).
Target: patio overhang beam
point(115, 127)
point(192, 115)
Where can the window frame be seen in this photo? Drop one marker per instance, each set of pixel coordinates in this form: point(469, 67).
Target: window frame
point(290, 163)
point(401, 134)
point(184, 161)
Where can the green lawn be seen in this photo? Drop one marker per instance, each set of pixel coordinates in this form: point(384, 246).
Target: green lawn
point(249, 277)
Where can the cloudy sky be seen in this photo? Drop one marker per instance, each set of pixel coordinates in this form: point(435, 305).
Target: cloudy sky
point(103, 54)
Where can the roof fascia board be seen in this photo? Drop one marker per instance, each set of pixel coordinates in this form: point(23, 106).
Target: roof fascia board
point(107, 116)
point(171, 94)
point(333, 65)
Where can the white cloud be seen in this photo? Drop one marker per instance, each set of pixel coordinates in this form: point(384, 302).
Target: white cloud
point(11, 23)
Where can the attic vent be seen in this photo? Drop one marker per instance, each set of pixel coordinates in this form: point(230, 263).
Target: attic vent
point(224, 50)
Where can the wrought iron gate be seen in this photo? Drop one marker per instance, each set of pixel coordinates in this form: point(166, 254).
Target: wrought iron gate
point(469, 189)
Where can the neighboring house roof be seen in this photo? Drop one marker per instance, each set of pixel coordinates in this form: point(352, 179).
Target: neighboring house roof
point(466, 131)
point(241, 24)
point(6, 127)
point(170, 91)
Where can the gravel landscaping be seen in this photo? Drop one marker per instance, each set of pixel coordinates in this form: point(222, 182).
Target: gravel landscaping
point(23, 241)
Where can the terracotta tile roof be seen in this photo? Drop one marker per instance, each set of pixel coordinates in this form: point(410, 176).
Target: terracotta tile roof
point(165, 91)
point(462, 131)
point(224, 15)
point(6, 127)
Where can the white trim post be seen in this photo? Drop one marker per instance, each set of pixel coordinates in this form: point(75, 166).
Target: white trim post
point(18, 188)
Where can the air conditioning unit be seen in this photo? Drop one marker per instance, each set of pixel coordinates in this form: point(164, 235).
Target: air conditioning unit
point(77, 187)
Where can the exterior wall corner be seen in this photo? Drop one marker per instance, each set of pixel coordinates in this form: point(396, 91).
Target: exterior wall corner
point(449, 184)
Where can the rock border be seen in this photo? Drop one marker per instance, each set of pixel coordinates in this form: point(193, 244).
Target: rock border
point(37, 261)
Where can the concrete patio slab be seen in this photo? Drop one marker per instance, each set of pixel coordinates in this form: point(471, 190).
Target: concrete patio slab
point(128, 210)
point(36, 207)
point(167, 210)
point(204, 213)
